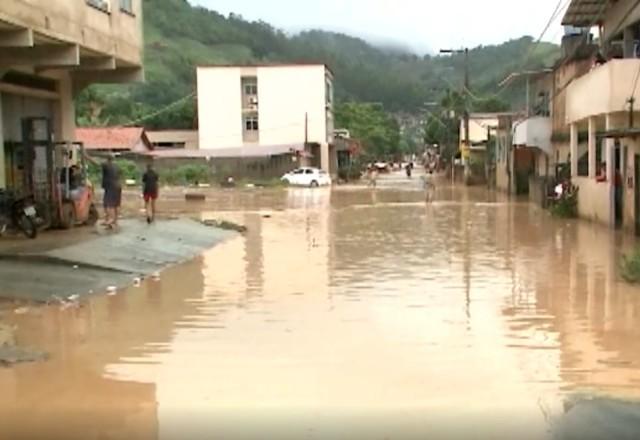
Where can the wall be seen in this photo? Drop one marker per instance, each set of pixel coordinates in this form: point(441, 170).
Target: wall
point(478, 129)
point(219, 107)
point(534, 132)
point(616, 13)
point(594, 200)
point(630, 184)
point(604, 90)
point(3, 181)
point(74, 21)
point(285, 95)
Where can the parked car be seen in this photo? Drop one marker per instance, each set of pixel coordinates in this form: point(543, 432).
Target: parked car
point(312, 177)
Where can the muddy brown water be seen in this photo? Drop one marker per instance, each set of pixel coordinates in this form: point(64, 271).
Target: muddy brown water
point(341, 314)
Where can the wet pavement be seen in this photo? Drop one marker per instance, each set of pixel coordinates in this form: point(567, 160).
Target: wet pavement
point(344, 314)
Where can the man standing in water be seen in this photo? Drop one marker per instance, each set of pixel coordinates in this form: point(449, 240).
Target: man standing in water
point(150, 192)
point(429, 186)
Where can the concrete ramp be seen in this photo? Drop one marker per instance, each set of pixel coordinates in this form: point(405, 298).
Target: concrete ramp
point(109, 259)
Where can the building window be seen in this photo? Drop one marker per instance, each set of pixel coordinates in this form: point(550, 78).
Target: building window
point(251, 89)
point(103, 5)
point(251, 123)
point(126, 6)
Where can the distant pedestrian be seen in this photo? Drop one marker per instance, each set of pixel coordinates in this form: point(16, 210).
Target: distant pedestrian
point(429, 186)
point(409, 170)
point(372, 175)
point(150, 192)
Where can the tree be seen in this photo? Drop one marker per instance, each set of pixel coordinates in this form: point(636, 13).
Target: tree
point(377, 130)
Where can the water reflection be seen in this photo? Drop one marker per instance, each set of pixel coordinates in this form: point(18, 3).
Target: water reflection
point(360, 312)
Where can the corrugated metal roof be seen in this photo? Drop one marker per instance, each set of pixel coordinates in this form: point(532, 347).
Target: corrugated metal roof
point(585, 13)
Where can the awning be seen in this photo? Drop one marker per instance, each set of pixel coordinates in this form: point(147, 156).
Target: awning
point(585, 13)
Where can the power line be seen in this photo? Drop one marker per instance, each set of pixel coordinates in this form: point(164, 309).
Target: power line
point(159, 112)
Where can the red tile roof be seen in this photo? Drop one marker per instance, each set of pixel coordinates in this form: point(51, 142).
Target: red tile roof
point(114, 139)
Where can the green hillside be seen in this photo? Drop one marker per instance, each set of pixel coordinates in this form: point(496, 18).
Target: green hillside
point(178, 37)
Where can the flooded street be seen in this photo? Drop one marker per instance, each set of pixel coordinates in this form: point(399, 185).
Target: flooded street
point(342, 314)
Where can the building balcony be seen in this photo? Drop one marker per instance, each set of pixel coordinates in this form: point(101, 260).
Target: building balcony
point(605, 90)
point(98, 44)
point(534, 132)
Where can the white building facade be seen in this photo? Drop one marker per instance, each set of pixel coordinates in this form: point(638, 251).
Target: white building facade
point(267, 106)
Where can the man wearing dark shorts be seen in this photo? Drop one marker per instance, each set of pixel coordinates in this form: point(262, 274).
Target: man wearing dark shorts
point(150, 192)
point(112, 192)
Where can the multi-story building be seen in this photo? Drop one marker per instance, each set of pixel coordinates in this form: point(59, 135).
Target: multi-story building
point(603, 105)
point(259, 108)
point(50, 50)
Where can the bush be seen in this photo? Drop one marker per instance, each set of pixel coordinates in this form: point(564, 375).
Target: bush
point(350, 174)
point(630, 267)
point(185, 175)
point(567, 205)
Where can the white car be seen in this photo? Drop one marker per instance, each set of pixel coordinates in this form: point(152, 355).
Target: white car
point(312, 177)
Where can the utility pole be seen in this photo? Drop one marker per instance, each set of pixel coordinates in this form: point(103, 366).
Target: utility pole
point(467, 88)
point(631, 101)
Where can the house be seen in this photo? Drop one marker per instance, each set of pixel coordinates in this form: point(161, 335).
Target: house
point(50, 50)
point(174, 139)
point(529, 158)
point(117, 140)
point(602, 105)
point(261, 106)
point(482, 127)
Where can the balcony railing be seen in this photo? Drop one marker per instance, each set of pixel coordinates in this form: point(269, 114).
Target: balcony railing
point(604, 90)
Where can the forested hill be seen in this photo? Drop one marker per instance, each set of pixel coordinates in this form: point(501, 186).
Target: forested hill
point(179, 36)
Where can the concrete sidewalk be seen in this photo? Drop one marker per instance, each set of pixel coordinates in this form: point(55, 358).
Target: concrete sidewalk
point(102, 260)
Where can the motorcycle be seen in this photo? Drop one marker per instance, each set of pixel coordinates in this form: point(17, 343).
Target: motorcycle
point(18, 213)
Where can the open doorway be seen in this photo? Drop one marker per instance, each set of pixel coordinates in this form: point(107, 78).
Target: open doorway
point(618, 186)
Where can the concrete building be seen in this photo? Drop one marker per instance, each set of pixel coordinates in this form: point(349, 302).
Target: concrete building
point(50, 50)
point(266, 106)
point(603, 104)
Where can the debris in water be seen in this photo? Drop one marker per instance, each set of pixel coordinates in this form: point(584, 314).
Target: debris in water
point(74, 298)
point(226, 225)
point(112, 290)
point(137, 282)
point(6, 336)
point(76, 267)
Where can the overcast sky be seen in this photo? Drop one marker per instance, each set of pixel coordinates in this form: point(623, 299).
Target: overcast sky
point(420, 24)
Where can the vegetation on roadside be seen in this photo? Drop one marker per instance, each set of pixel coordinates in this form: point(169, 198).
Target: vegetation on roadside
point(183, 175)
point(566, 206)
point(377, 130)
point(630, 267)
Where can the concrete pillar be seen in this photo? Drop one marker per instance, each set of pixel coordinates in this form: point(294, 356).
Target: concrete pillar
point(628, 42)
point(64, 114)
point(325, 162)
point(592, 148)
point(609, 151)
point(3, 177)
point(573, 145)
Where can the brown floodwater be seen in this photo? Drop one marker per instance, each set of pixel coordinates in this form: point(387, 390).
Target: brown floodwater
point(341, 314)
